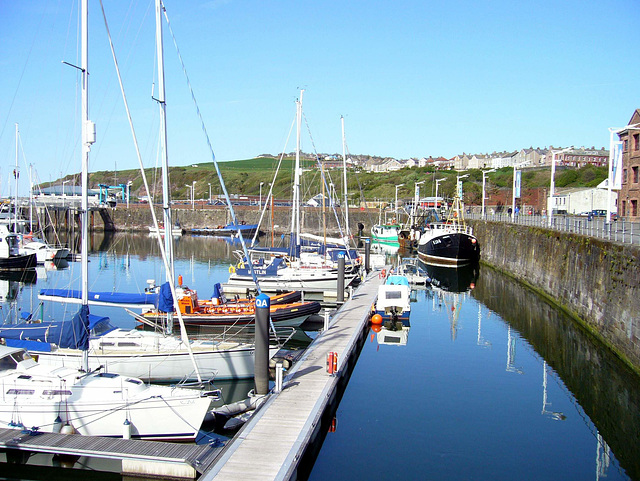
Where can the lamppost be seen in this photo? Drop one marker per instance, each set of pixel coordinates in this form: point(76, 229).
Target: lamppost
point(396, 204)
point(193, 196)
point(611, 160)
point(190, 187)
point(437, 183)
point(459, 184)
point(209, 183)
point(64, 203)
point(552, 185)
point(416, 199)
point(261, 184)
point(128, 192)
point(484, 183)
point(513, 201)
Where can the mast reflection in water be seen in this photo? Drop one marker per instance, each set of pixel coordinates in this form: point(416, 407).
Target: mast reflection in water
point(495, 384)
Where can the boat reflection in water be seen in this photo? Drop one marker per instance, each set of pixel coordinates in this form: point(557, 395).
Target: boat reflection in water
point(461, 279)
point(451, 286)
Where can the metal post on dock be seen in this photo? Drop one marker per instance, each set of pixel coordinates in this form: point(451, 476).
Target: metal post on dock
point(261, 362)
point(367, 255)
point(279, 377)
point(340, 293)
point(326, 321)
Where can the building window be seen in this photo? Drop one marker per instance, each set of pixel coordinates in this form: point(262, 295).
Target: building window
point(636, 141)
point(634, 207)
point(625, 145)
point(624, 208)
point(624, 176)
point(635, 174)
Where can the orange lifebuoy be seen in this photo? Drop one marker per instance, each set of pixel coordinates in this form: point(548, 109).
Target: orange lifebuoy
point(383, 273)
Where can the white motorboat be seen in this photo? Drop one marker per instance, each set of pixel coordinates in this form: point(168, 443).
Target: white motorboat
point(394, 299)
point(45, 399)
point(44, 252)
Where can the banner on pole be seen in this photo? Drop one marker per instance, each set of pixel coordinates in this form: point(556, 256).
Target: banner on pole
point(518, 182)
point(616, 167)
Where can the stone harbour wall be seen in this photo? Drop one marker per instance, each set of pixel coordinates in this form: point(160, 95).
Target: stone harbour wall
point(596, 281)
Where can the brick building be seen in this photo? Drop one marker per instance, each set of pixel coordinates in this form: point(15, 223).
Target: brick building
point(630, 193)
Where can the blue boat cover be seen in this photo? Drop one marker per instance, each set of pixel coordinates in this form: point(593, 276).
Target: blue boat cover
point(73, 334)
point(398, 280)
point(112, 297)
point(165, 301)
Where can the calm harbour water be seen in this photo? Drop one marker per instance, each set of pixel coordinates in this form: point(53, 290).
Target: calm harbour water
point(492, 383)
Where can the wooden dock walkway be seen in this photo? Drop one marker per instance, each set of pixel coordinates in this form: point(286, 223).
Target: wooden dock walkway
point(273, 441)
point(138, 457)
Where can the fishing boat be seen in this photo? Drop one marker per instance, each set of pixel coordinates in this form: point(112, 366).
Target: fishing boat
point(449, 243)
point(386, 233)
point(57, 399)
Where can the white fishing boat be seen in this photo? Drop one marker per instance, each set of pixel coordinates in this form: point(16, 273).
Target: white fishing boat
point(173, 231)
point(44, 252)
point(52, 399)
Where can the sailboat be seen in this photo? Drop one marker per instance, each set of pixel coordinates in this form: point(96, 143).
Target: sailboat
point(151, 356)
point(280, 270)
point(46, 398)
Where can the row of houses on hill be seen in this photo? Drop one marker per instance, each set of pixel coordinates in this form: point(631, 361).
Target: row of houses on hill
point(531, 157)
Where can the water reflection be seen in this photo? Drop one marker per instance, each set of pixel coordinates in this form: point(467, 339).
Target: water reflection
point(605, 388)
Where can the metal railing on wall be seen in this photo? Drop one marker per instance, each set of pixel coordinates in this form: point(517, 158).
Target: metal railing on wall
point(621, 230)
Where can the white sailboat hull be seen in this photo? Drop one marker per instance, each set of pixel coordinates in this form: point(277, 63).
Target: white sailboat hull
point(155, 358)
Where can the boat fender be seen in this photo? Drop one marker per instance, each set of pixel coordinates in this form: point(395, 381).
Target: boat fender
point(126, 429)
point(68, 429)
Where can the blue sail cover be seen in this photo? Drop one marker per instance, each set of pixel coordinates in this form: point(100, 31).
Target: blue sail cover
point(109, 297)
point(165, 299)
point(73, 334)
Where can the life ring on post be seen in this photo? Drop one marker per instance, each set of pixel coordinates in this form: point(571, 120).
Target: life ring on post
point(232, 270)
point(383, 273)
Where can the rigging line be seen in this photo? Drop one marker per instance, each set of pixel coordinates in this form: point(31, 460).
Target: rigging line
point(183, 329)
point(213, 156)
point(266, 201)
point(324, 180)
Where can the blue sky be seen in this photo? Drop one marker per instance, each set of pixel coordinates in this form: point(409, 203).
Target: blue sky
point(412, 78)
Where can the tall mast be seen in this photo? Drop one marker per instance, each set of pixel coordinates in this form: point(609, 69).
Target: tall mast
point(16, 174)
point(295, 212)
point(344, 179)
point(88, 138)
point(166, 201)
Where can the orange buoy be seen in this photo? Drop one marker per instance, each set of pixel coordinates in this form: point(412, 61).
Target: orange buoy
point(376, 328)
point(376, 319)
point(180, 281)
